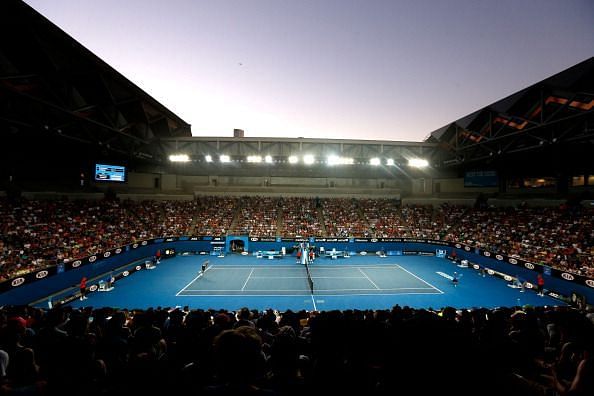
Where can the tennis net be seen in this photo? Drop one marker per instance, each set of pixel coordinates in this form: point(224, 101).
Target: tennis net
point(309, 279)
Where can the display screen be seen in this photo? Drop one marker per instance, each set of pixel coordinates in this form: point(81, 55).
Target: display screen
point(110, 173)
point(481, 179)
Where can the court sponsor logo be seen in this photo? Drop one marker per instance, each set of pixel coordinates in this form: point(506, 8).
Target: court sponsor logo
point(567, 276)
point(554, 295)
point(17, 282)
point(490, 272)
point(467, 248)
point(499, 257)
point(373, 239)
point(529, 285)
point(93, 288)
point(363, 253)
point(138, 268)
point(125, 273)
point(143, 243)
point(254, 239)
point(529, 265)
point(118, 251)
point(476, 266)
point(590, 282)
point(487, 254)
point(458, 246)
point(166, 240)
point(92, 259)
point(513, 261)
point(444, 275)
point(76, 264)
point(134, 246)
point(106, 254)
point(507, 278)
point(41, 274)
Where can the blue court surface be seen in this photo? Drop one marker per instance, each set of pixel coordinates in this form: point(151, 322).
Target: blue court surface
point(357, 282)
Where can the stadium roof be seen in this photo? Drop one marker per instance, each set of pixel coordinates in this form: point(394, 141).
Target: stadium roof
point(554, 116)
point(51, 85)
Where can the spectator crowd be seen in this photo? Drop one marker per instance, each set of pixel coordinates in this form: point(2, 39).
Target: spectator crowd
point(526, 351)
point(37, 233)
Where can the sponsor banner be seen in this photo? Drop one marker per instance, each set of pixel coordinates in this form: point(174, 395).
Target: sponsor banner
point(567, 276)
point(364, 240)
point(42, 274)
point(287, 239)
point(426, 253)
point(390, 239)
point(263, 239)
point(410, 253)
point(17, 282)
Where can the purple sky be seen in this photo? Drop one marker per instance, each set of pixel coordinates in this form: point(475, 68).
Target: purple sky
point(368, 69)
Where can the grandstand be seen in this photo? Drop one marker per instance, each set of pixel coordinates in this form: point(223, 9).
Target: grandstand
point(507, 188)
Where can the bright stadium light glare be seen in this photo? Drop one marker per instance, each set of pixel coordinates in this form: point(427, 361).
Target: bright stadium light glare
point(224, 158)
point(333, 160)
point(390, 162)
point(374, 161)
point(268, 159)
point(418, 163)
point(179, 158)
point(308, 159)
point(293, 159)
point(254, 158)
point(208, 158)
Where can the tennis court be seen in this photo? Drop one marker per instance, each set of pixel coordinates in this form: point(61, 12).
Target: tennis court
point(357, 282)
point(327, 280)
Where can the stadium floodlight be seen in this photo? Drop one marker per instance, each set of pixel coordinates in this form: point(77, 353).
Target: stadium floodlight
point(254, 158)
point(375, 161)
point(390, 162)
point(336, 160)
point(179, 158)
point(268, 159)
point(224, 158)
point(208, 158)
point(293, 159)
point(418, 163)
point(333, 160)
point(308, 159)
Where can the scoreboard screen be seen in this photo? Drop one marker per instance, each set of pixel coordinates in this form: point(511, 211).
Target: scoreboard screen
point(110, 173)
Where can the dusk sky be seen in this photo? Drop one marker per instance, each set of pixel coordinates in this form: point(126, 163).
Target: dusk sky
point(375, 69)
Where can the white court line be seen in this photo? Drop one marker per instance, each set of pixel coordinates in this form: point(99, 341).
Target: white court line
point(248, 278)
point(314, 303)
point(312, 266)
point(194, 280)
point(369, 279)
point(422, 280)
point(302, 295)
point(327, 290)
point(313, 277)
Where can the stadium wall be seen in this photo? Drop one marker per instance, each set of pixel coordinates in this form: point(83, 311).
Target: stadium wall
point(147, 183)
